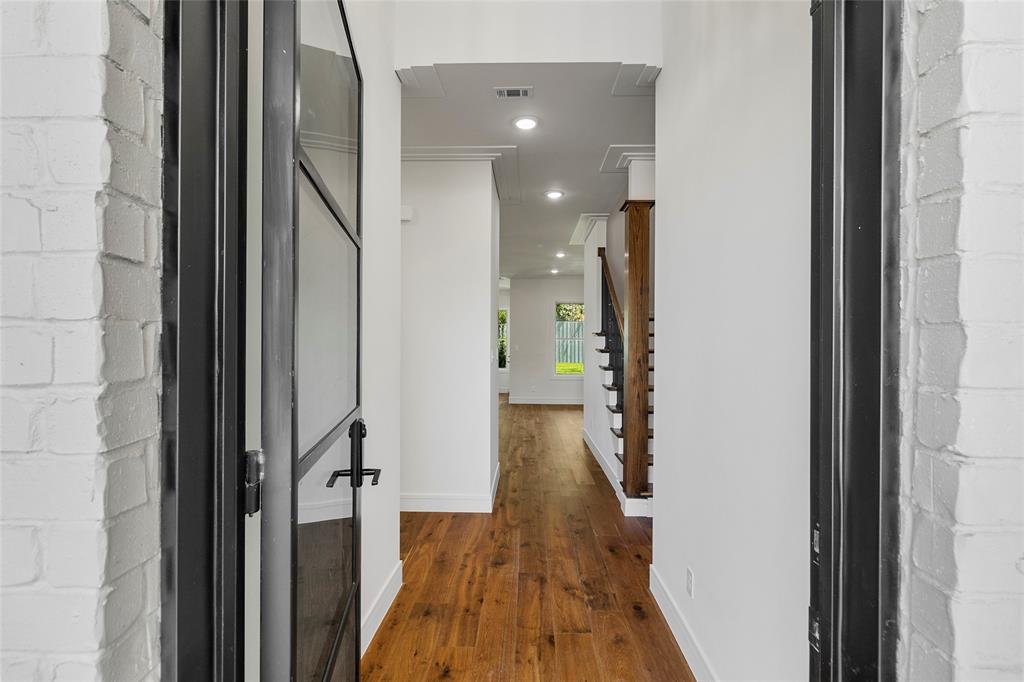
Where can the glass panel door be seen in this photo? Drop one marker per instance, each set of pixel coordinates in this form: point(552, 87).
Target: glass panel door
point(326, 386)
point(327, 249)
point(311, 426)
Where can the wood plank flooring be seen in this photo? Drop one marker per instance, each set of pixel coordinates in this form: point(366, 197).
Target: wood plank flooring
point(551, 586)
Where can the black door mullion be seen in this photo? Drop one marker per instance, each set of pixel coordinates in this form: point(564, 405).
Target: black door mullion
point(310, 457)
point(309, 168)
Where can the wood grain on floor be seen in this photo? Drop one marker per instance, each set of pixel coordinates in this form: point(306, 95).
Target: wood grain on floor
point(550, 586)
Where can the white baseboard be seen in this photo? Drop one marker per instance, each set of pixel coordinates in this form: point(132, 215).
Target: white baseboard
point(631, 506)
point(429, 502)
point(380, 605)
point(324, 511)
point(494, 486)
point(692, 650)
point(541, 400)
point(607, 466)
point(636, 506)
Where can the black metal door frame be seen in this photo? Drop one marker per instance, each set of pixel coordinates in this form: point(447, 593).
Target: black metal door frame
point(854, 521)
point(202, 536)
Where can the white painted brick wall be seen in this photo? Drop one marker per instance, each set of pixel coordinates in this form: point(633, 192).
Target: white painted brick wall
point(962, 390)
point(80, 211)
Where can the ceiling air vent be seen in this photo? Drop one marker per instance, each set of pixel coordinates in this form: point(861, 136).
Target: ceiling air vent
point(514, 93)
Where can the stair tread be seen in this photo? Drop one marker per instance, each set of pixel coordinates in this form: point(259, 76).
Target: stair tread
point(650, 458)
point(608, 350)
point(617, 432)
point(616, 387)
point(609, 368)
point(615, 409)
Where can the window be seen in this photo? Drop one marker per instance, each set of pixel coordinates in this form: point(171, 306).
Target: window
point(568, 339)
point(503, 338)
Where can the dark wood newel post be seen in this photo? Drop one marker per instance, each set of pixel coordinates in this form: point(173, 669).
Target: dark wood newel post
point(638, 297)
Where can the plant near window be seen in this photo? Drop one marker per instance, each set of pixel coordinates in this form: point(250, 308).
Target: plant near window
point(502, 339)
point(569, 312)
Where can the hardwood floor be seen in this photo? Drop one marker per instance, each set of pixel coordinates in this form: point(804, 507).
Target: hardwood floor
point(551, 586)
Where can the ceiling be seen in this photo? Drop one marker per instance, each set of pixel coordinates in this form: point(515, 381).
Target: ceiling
point(451, 111)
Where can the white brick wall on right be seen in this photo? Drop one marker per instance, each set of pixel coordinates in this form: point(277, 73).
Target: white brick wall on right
point(962, 373)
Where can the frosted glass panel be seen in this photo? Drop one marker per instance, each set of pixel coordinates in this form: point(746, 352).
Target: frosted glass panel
point(329, 119)
point(326, 319)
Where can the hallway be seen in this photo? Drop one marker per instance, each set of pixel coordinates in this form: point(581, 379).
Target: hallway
point(551, 586)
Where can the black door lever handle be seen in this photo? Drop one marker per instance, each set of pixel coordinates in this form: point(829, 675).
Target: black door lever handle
point(335, 475)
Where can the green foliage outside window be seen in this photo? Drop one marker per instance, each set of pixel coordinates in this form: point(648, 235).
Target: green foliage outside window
point(569, 312)
point(502, 339)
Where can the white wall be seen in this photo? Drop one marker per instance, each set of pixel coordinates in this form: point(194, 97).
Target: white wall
point(615, 251)
point(80, 375)
point(449, 359)
point(372, 26)
point(731, 418)
point(962, 378)
point(596, 417)
point(490, 31)
point(532, 338)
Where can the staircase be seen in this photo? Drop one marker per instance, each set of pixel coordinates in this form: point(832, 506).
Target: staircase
point(630, 400)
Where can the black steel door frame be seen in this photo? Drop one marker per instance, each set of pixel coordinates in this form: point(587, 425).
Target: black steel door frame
point(854, 521)
point(202, 536)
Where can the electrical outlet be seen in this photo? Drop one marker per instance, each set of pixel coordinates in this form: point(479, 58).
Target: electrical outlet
point(689, 581)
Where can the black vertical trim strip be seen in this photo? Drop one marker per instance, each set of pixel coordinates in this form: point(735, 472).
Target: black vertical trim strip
point(822, 334)
point(200, 358)
point(190, 294)
point(855, 338)
point(860, 346)
point(889, 525)
point(230, 543)
point(168, 347)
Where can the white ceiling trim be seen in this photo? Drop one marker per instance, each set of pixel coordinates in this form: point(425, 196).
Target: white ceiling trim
point(635, 80)
point(334, 143)
point(420, 81)
point(504, 164)
point(584, 226)
point(619, 156)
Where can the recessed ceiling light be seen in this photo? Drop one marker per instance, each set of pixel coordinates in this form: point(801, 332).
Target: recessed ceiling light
point(526, 123)
point(554, 194)
point(554, 271)
point(560, 254)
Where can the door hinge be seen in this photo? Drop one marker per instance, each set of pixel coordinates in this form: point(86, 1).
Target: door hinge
point(816, 541)
point(814, 630)
point(254, 473)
